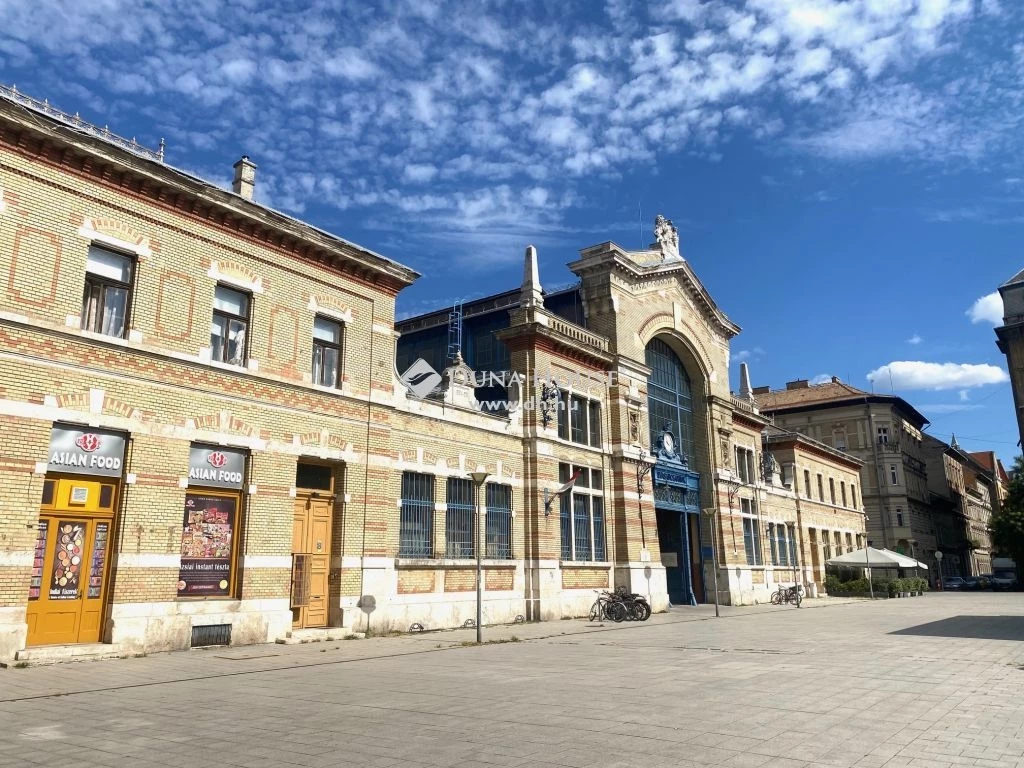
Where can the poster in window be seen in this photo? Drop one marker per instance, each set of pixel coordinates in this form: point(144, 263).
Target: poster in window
point(67, 561)
point(36, 584)
point(206, 545)
point(98, 560)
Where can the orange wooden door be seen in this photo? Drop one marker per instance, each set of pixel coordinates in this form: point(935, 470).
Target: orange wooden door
point(66, 593)
point(311, 536)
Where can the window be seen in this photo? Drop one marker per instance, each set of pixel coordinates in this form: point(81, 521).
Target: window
point(899, 517)
point(314, 477)
point(416, 526)
point(458, 519)
point(582, 515)
point(807, 484)
point(781, 544)
point(498, 544)
point(832, 490)
point(229, 326)
point(894, 475)
point(751, 533)
point(849, 542)
point(745, 465)
point(842, 491)
point(579, 419)
point(326, 352)
point(883, 435)
point(839, 439)
point(821, 490)
point(669, 398)
point(108, 279)
point(787, 475)
point(826, 545)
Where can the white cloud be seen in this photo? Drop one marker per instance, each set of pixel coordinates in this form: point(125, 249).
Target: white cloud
point(822, 378)
point(987, 309)
point(964, 395)
point(948, 407)
point(419, 172)
point(915, 339)
point(916, 374)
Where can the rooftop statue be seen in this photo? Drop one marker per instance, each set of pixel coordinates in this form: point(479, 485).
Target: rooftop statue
point(667, 236)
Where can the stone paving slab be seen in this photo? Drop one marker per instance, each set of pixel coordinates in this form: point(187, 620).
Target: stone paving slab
point(930, 682)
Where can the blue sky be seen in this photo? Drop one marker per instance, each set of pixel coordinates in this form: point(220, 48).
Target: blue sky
point(846, 176)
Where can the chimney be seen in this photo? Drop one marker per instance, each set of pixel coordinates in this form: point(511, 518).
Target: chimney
point(745, 391)
point(762, 390)
point(798, 384)
point(244, 182)
point(530, 294)
point(835, 380)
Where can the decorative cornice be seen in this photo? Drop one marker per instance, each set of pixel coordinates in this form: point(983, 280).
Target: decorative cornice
point(76, 154)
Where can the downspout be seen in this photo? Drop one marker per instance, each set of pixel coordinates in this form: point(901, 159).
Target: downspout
point(366, 463)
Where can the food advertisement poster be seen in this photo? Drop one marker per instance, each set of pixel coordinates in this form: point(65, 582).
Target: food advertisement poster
point(206, 543)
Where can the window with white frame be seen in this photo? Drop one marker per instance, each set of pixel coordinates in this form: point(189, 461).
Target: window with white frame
point(582, 514)
point(327, 346)
point(230, 325)
point(579, 419)
point(107, 295)
point(745, 464)
point(416, 522)
point(458, 519)
point(751, 533)
point(498, 525)
point(899, 517)
point(839, 439)
point(883, 435)
point(894, 475)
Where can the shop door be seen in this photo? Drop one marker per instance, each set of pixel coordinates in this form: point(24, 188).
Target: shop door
point(311, 559)
point(66, 593)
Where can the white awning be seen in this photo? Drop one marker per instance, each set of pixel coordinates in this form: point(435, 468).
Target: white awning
point(876, 558)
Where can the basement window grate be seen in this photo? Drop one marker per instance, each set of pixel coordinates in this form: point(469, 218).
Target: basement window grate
point(211, 634)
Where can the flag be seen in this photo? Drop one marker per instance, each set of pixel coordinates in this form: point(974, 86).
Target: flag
point(568, 486)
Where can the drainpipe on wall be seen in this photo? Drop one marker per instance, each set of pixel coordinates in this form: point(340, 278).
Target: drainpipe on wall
point(879, 477)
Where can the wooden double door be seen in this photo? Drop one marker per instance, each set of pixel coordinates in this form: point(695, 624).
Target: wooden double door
point(311, 559)
point(67, 591)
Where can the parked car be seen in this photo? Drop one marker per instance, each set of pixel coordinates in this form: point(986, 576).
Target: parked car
point(952, 584)
point(1006, 581)
point(976, 582)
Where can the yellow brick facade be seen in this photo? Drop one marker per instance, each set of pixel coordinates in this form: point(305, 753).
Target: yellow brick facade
point(159, 387)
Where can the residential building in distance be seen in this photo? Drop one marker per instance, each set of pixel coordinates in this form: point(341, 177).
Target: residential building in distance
point(1010, 337)
point(884, 433)
point(963, 494)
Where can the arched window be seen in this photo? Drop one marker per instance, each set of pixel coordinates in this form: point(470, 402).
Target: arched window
point(669, 398)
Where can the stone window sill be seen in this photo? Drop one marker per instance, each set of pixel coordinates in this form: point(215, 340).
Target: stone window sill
point(586, 563)
point(432, 562)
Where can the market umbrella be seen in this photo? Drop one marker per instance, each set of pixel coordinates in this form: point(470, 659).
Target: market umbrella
point(875, 558)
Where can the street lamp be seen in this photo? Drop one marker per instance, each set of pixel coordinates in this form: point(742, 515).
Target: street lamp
point(913, 543)
point(938, 568)
point(479, 478)
point(791, 524)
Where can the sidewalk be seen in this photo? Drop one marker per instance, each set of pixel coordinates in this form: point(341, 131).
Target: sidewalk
point(203, 663)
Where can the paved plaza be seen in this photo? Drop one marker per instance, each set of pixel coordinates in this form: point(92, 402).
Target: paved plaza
point(932, 681)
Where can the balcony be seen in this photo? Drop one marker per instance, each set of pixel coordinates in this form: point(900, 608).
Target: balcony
point(578, 334)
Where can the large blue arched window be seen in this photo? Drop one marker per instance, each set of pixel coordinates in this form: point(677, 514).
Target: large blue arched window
point(669, 398)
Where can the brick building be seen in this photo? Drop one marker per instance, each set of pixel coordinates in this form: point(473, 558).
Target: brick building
point(206, 437)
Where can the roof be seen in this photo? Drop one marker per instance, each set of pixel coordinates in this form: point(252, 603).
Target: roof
point(495, 302)
point(988, 460)
point(128, 158)
point(774, 434)
point(801, 395)
point(1018, 278)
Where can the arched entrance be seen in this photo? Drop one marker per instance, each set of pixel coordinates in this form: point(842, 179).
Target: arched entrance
point(676, 484)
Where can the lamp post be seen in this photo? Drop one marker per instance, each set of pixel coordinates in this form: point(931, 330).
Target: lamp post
point(714, 554)
point(479, 478)
point(867, 558)
point(913, 543)
point(791, 524)
point(938, 568)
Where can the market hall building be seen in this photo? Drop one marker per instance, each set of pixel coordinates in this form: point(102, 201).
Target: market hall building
point(211, 433)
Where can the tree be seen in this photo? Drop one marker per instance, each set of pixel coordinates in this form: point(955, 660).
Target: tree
point(1007, 526)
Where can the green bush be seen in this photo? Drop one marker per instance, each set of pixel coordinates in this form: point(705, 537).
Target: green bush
point(832, 584)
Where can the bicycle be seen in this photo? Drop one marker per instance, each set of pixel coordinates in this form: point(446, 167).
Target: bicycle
point(785, 595)
point(637, 607)
point(607, 607)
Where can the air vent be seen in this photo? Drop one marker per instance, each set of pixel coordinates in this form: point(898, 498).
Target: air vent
point(211, 634)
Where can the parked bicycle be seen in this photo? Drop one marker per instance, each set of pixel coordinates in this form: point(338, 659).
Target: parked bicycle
point(619, 606)
point(784, 595)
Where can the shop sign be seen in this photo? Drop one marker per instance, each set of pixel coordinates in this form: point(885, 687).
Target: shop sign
point(216, 467)
point(85, 451)
point(207, 545)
